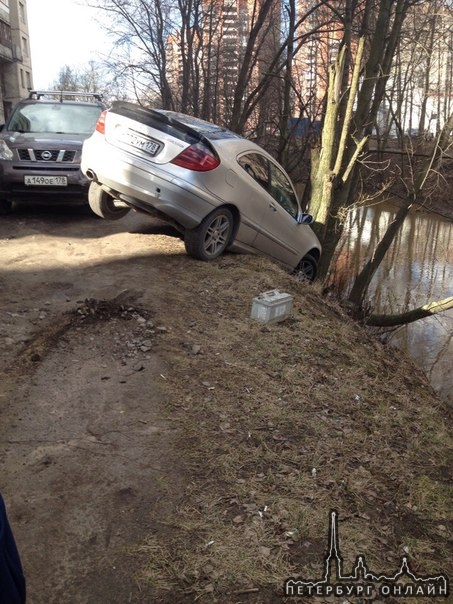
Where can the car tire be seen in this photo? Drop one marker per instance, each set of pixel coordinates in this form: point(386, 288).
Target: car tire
point(307, 268)
point(5, 207)
point(211, 237)
point(103, 204)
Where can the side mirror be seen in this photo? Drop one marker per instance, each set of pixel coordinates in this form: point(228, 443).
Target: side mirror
point(304, 218)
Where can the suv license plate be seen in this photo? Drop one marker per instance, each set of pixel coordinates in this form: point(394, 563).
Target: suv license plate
point(46, 181)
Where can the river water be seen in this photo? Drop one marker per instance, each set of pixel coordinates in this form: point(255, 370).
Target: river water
point(418, 269)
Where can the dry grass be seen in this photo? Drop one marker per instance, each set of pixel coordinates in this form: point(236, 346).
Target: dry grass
point(282, 423)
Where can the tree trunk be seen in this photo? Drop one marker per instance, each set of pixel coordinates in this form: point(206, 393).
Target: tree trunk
point(352, 109)
point(322, 175)
point(363, 279)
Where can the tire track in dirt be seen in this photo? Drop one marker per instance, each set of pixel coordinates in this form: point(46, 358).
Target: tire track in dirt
point(88, 464)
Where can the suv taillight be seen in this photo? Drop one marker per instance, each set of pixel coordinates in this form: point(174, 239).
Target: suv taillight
point(100, 126)
point(197, 157)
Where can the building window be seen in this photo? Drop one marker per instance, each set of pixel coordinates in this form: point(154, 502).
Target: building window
point(28, 76)
point(22, 80)
point(22, 12)
point(5, 34)
point(25, 47)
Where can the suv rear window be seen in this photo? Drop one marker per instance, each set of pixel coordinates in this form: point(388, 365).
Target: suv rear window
point(55, 117)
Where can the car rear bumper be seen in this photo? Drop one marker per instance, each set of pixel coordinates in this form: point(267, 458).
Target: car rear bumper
point(175, 198)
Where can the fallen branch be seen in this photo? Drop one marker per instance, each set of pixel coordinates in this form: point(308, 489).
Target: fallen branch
point(433, 308)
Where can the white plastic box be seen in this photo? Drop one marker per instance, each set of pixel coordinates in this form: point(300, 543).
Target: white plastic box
point(271, 306)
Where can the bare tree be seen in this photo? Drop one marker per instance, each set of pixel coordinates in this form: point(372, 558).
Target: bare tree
point(91, 78)
point(217, 59)
point(363, 279)
point(142, 30)
point(67, 79)
point(353, 103)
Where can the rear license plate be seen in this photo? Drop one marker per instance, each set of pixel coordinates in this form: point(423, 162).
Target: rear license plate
point(139, 142)
point(46, 181)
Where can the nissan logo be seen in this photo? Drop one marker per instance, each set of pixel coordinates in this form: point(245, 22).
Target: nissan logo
point(46, 155)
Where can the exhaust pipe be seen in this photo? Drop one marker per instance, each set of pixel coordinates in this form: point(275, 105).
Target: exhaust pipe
point(91, 175)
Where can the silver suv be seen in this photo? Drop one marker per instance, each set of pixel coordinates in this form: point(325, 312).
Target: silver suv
point(41, 145)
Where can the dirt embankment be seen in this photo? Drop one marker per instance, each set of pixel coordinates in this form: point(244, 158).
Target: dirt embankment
point(160, 446)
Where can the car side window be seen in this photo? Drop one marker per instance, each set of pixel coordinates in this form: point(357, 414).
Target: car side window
point(257, 166)
point(283, 192)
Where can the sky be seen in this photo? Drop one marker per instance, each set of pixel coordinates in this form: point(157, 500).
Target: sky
point(62, 32)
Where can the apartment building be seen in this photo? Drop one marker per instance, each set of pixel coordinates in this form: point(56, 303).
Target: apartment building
point(16, 77)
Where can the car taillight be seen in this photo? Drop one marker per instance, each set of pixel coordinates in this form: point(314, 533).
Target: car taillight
point(100, 126)
point(197, 157)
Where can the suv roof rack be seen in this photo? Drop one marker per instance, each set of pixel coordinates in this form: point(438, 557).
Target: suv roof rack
point(62, 94)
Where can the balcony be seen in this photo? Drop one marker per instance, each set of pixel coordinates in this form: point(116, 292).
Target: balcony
point(6, 45)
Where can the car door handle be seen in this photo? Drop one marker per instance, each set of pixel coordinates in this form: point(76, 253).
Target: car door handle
point(271, 205)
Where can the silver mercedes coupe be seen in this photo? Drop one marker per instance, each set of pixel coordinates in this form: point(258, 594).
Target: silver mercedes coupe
point(219, 190)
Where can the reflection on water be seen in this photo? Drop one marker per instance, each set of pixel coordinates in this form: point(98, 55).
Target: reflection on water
point(418, 269)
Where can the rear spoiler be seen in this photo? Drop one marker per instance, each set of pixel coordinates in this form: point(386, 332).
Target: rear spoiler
point(167, 121)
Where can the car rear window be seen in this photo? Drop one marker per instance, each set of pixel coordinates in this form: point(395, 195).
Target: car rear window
point(61, 118)
point(187, 128)
point(211, 131)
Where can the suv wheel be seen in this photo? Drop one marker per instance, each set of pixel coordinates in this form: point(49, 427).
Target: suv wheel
point(103, 204)
point(5, 207)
